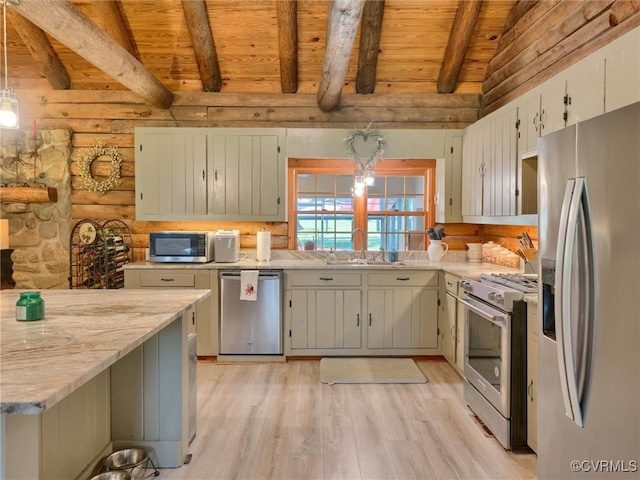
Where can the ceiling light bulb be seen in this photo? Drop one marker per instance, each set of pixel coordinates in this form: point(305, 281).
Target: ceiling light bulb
point(8, 109)
point(7, 117)
point(358, 191)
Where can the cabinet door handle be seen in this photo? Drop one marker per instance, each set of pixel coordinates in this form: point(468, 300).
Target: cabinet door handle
point(167, 279)
point(403, 279)
point(203, 175)
point(193, 318)
point(534, 121)
point(529, 390)
point(215, 175)
point(357, 320)
point(369, 319)
point(326, 279)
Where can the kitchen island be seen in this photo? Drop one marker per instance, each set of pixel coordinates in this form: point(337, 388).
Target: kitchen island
point(100, 372)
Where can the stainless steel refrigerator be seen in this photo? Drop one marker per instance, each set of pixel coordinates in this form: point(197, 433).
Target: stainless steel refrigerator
point(589, 336)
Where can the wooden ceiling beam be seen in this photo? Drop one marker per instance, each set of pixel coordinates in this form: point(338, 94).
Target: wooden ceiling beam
point(462, 29)
point(63, 21)
point(369, 46)
point(111, 22)
point(287, 13)
point(343, 19)
point(204, 48)
point(42, 52)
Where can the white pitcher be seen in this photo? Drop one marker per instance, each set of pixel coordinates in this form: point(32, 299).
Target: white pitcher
point(436, 250)
point(475, 252)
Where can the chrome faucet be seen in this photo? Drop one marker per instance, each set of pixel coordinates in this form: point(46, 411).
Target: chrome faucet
point(353, 236)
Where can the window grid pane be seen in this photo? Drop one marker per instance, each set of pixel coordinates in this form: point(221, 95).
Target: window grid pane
point(394, 214)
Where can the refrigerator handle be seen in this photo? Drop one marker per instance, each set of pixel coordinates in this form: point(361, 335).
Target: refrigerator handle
point(581, 373)
point(578, 216)
point(563, 294)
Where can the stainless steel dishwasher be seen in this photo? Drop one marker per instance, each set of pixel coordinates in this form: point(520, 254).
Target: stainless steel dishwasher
point(251, 327)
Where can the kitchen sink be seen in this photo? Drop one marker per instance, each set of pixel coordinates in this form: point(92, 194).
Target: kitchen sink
point(383, 262)
point(364, 263)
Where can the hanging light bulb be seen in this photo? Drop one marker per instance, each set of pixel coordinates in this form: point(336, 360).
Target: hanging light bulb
point(9, 114)
point(359, 181)
point(369, 177)
point(358, 191)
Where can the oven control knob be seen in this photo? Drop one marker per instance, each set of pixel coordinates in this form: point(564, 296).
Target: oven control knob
point(499, 299)
point(491, 295)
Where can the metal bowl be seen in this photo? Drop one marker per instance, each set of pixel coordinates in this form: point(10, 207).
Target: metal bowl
point(115, 475)
point(127, 458)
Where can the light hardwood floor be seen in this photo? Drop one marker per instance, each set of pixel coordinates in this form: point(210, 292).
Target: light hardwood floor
point(278, 421)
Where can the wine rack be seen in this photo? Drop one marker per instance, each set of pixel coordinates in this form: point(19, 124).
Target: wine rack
point(99, 251)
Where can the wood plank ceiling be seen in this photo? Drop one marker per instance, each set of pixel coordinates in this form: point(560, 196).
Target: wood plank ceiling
point(448, 51)
point(255, 46)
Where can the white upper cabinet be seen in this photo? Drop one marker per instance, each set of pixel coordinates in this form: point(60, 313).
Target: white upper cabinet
point(543, 112)
point(585, 90)
point(473, 169)
point(210, 174)
point(500, 182)
point(622, 71)
point(171, 174)
point(489, 177)
point(448, 197)
point(247, 175)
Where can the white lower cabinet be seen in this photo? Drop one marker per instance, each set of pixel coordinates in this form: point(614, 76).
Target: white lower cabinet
point(324, 311)
point(362, 313)
point(402, 318)
point(449, 326)
point(325, 318)
point(532, 376)
point(203, 319)
point(402, 310)
point(452, 328)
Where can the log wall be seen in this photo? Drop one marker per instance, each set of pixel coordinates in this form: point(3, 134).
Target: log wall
point(549, 37)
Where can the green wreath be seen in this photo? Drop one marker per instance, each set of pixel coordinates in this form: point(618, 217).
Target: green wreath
point(97, 151)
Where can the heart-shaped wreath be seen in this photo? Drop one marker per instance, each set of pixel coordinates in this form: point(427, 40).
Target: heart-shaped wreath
point(357, 141)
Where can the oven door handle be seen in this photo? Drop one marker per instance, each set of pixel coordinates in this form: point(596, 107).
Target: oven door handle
point(482, 313)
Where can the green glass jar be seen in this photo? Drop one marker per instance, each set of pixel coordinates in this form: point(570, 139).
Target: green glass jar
point(29, 307)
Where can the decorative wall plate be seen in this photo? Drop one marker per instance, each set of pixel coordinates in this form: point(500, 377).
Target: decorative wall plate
point(87, 233)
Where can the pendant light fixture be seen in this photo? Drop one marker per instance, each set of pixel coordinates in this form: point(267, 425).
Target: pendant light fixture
point(9, 116)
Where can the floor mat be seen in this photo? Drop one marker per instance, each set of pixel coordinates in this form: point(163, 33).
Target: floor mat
point(370, 370)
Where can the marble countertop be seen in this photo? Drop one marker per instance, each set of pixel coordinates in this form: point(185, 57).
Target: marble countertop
point(298, 260)
point(83, 333)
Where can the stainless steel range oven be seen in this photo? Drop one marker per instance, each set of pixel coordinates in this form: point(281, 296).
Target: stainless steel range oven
point(495, 367)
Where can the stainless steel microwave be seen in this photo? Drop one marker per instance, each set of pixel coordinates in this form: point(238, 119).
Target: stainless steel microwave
point(181, 247)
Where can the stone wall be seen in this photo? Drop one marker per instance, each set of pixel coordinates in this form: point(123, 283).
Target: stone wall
point(39, 233)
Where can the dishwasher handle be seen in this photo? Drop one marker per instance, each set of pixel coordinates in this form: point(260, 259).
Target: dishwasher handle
point(261, 276)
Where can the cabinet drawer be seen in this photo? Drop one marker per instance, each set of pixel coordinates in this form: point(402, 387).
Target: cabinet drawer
point(451, 282)
point(404, 278)
point(322, 279)
point(167, 280)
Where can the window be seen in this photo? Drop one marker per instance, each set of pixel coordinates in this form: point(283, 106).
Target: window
point(393, 214)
